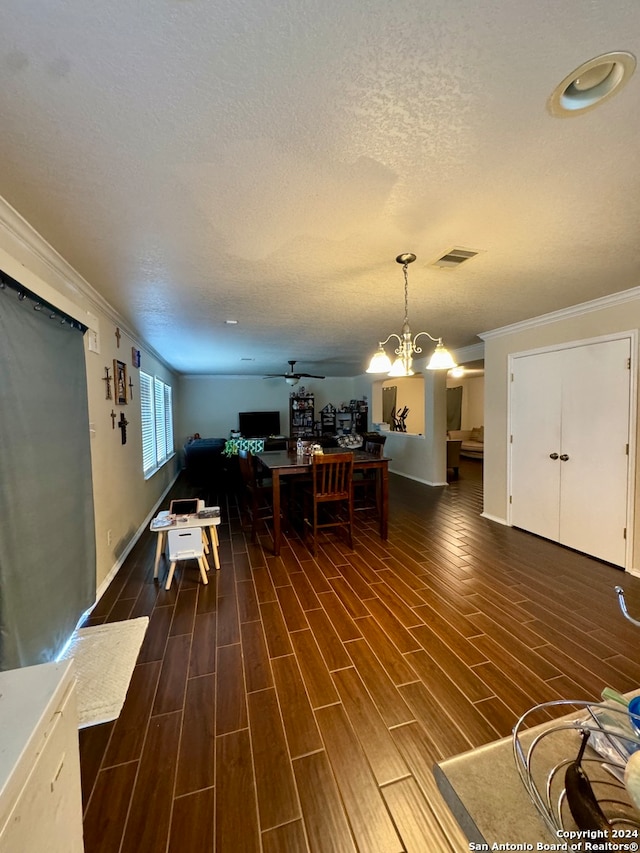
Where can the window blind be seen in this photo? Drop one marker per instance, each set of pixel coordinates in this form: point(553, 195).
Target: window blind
point(161, 443)
point(157, 422)
point(148, 423)
point(168, 418)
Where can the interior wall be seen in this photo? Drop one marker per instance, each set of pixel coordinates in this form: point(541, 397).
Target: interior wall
point(210, 404)
point(371, 386)
point(472, 402)
point(618, 317)
point(420, 457)
point(122, 497)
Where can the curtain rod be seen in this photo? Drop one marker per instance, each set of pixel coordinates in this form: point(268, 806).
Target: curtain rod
point(6, 282)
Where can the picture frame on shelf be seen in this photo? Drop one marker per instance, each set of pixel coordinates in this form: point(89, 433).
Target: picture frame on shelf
point(120, 382)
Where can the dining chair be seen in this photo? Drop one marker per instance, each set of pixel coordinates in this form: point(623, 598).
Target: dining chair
point(329, 500)
point(375, 448)
point(258, 493)
point(186, 544)
point(365, 481)
point(374, 437)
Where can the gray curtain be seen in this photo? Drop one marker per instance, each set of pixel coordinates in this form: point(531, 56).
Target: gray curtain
point(47, 540)
point(454, 407)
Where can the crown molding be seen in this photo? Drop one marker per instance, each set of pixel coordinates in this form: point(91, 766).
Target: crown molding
point(565, 313)
point(475, 352)
point(67, 279)
point(66, 275)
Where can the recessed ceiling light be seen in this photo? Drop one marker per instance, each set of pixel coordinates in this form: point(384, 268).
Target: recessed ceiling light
point(231, 322)
point(591, 84)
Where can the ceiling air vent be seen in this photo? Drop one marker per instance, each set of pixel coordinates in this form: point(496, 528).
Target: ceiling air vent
point(454, 258)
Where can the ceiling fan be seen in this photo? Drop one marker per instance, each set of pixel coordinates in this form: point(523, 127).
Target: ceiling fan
point(291, 377)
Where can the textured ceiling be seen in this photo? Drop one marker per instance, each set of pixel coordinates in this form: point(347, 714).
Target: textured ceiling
point(198, 161)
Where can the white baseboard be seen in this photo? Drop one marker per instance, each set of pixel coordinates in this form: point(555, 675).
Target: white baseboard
point(417, 479)
point(495, 518)
point(100, 591)
point(120, 561)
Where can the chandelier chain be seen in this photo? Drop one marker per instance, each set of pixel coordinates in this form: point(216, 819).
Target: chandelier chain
point(407, 347)
point(406, 293)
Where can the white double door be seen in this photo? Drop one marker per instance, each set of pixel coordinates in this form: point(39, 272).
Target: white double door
point(570, 422)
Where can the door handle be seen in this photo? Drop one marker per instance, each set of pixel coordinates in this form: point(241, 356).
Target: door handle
point(553, 456)
point(564, 458)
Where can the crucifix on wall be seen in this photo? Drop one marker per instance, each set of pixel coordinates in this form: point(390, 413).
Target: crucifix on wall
point(122, 426)
point(107, 380)
point(118, 336)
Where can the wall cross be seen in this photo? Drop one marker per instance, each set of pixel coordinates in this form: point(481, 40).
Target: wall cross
point(107, 380)
point(122, 426)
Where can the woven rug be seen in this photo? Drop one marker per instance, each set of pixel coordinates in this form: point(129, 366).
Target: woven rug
point(104, 657)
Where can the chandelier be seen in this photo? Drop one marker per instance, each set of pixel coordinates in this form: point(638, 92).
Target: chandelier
point(403, 364)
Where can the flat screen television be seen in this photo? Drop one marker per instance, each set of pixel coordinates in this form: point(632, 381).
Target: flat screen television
point(258, 424)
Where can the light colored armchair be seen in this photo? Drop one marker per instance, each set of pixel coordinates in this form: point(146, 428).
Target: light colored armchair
point(472, 441)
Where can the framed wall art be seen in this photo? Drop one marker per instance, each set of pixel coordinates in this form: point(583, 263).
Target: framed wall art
point(121, 388)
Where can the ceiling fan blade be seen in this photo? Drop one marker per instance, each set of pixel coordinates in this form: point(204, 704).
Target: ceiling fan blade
point(292, 375)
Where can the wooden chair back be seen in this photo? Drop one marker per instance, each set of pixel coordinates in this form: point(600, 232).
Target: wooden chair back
point(332, 474)
point(332, 493)
point(247, 468)
point(375, 448)
point(376, 437)
point(258, 495)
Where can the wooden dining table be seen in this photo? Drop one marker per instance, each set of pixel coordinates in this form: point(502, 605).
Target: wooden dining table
point(284, 463)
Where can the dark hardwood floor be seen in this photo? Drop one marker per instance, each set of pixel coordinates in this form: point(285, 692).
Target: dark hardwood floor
point(298, 704)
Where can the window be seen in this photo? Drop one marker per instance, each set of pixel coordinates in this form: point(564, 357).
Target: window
point(157, 423)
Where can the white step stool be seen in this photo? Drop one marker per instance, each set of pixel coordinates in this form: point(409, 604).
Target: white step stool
point(186, 543)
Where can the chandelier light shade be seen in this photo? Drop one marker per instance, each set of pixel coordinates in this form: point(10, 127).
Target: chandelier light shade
point(407, 346)
point(380, 362)
point(441, 358)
